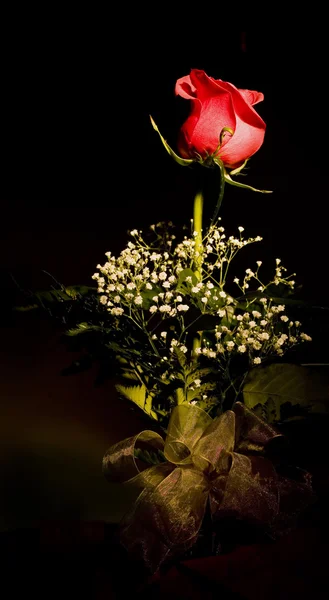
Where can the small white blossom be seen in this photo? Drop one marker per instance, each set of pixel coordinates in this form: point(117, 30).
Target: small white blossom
point(305, 337)
point(165, 308)
point(117, 311)
point(256, 314)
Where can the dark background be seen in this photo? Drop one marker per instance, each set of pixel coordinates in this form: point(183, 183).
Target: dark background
point(82, 165)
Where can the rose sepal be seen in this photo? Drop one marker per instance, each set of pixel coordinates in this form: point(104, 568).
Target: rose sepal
point(228, 179)
point(184, 162)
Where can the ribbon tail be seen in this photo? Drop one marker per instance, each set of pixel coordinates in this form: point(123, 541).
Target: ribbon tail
point(165, 521)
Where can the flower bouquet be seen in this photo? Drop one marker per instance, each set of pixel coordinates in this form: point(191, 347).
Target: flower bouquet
point(197, 343)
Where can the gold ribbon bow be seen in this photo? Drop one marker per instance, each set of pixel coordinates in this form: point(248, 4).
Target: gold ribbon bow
point(205, 461)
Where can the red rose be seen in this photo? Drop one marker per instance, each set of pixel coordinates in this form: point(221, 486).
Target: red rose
point(218, 106)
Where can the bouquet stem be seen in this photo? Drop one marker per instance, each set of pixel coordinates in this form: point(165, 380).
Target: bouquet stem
point(197, 230)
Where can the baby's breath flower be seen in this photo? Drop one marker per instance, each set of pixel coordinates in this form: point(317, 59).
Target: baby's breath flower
point(165, 308)
point(305, 337)
point(256, 314)
point(117, 311)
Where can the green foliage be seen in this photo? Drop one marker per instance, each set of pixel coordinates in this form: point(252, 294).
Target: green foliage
point(140, 396)
point(46, 298)
point(276, 390)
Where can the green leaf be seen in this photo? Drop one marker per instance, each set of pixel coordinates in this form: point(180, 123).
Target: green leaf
point(26, 308)
point(282, 383)
point(139, 395)
point(148, 295)
point(82, 328)
point(198, 373)
point(181, 357)
point(180, 396)
point(79, 290)
point(182, 285)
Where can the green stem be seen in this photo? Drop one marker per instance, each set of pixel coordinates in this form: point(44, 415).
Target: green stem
point(197, 229)
point(221, 191)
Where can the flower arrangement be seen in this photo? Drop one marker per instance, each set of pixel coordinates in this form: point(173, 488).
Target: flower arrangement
point(180, 336)
point(197, 344)
point(182, 327)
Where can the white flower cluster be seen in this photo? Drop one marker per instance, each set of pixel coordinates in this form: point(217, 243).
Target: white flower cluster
point(257, 334)
point(145, 283)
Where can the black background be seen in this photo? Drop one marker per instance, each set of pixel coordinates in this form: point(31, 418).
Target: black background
point(83, 164)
